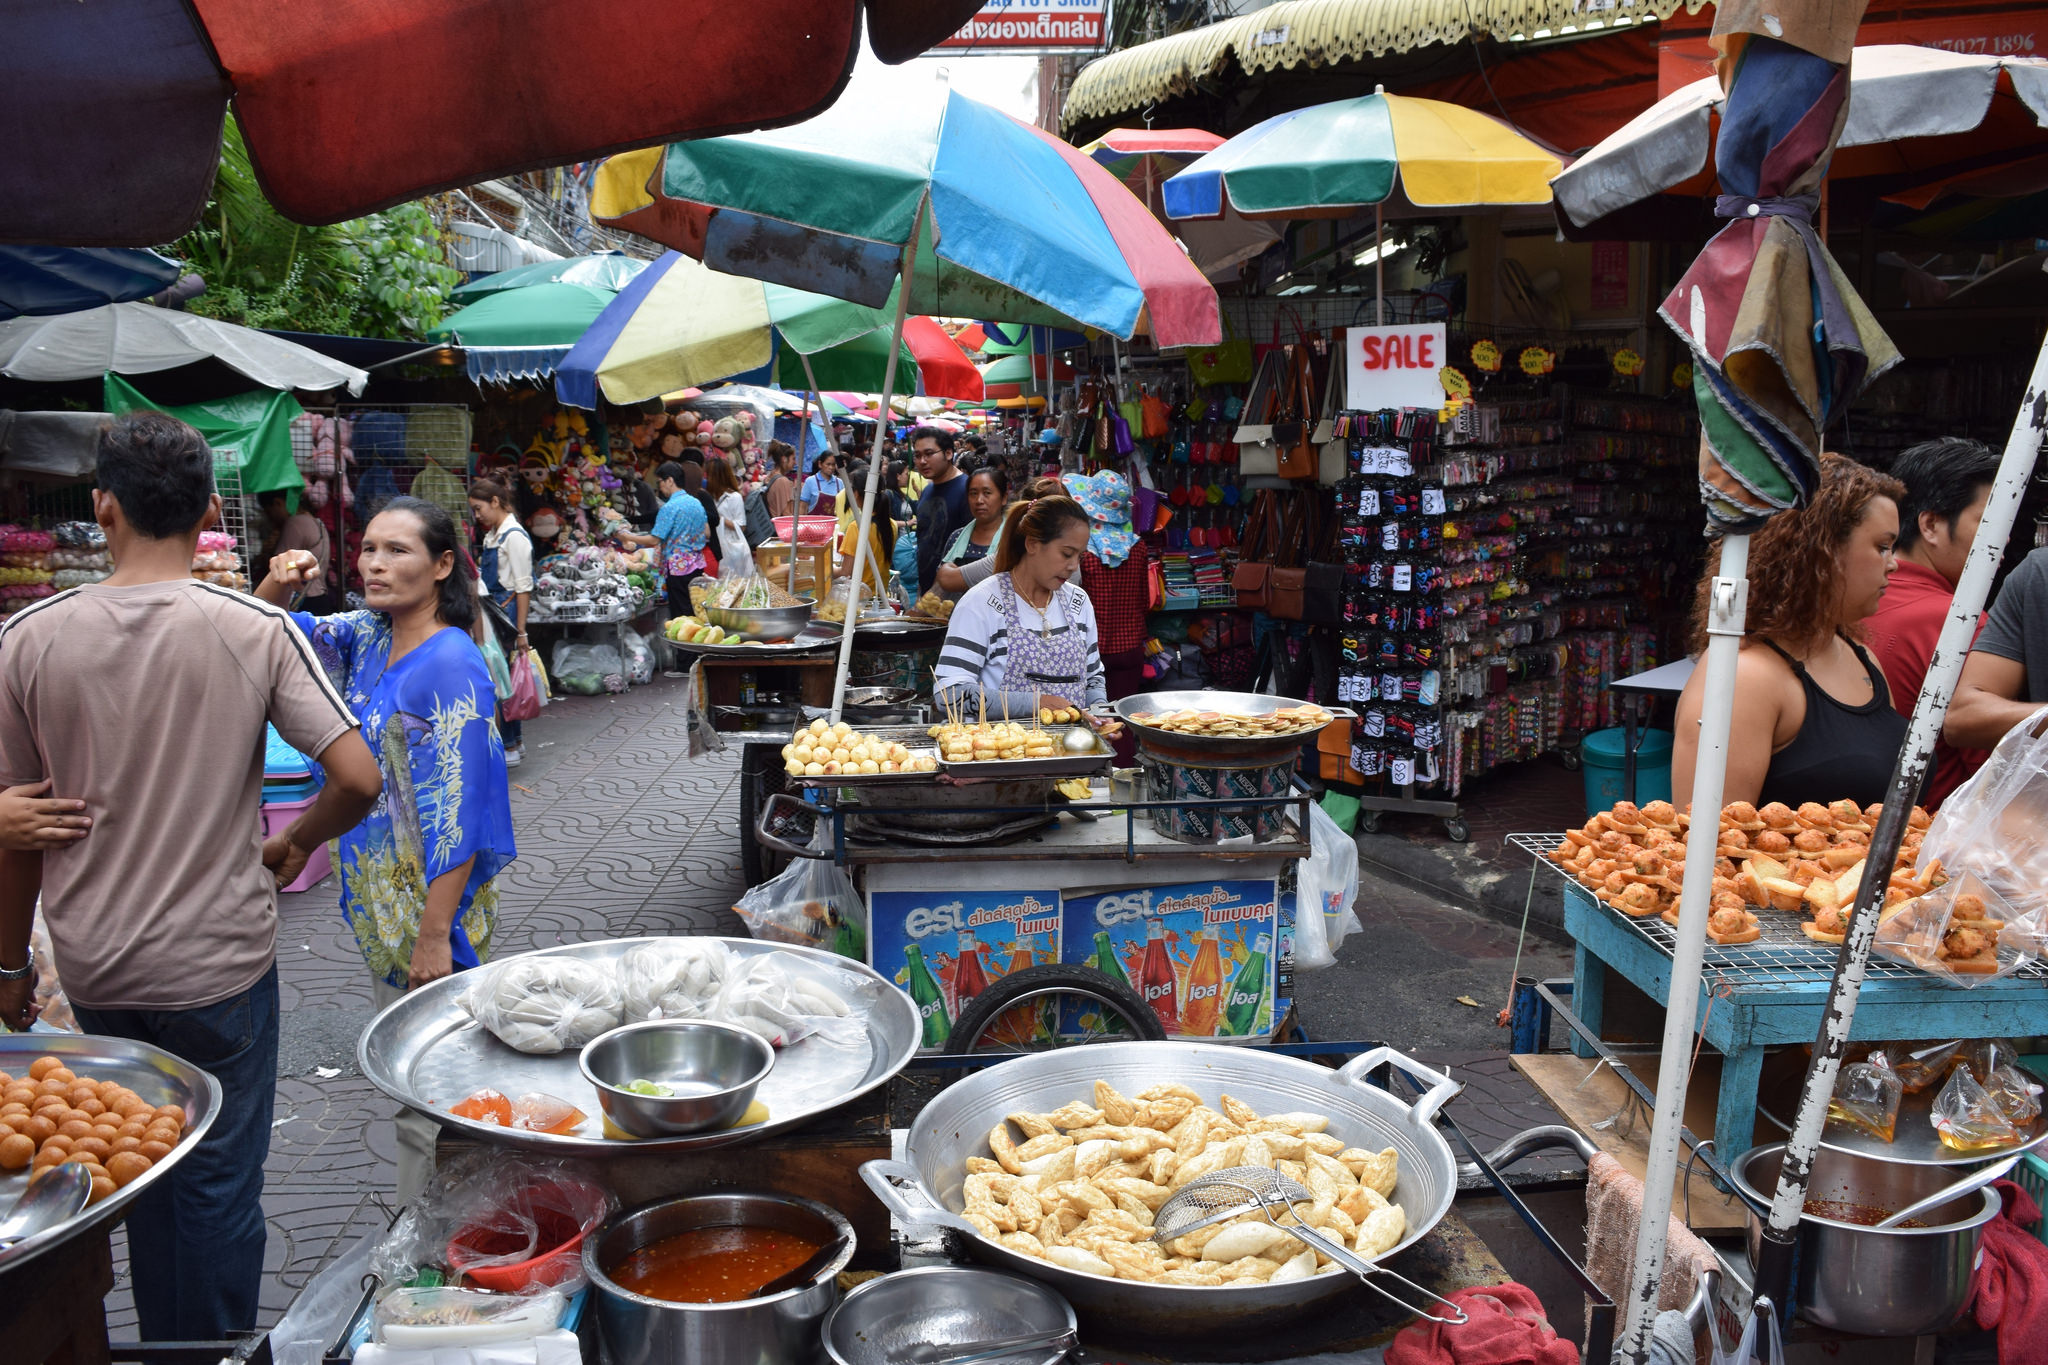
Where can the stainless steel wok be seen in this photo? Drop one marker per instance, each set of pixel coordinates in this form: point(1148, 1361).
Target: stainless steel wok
point(1176, 745)
point(926, 1188)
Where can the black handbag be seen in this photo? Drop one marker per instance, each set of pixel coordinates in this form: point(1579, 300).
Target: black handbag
point(501, 624)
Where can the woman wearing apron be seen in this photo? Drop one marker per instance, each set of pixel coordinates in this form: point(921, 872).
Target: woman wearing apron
point(1024, 641)
point(505, 569)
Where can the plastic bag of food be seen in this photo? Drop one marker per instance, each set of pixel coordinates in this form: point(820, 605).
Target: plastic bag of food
point(2017, 1095)
point(674, 978)
point(1867, 1096)
point(543, 1004)
point(1957, 933)
point(1985, 1055)
point(575, 668)
point(639, 659)
point(1967, 1118)
point(781, 1004)
point(424, 1319)
point(1996, 823)
point(497, 1220)
point(811, 903)
point(1327, 880)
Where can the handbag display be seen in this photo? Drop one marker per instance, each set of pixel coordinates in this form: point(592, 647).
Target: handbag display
point(1290, 576)
point(1252, 579)
point(1227, 362)
point(1297, 455)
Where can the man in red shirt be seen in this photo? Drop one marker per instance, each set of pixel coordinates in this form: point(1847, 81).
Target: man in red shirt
point(1947, 483)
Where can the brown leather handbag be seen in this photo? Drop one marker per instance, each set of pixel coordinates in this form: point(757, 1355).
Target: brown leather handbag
point(1290, 576)
point(1298, 454)
point(1252, 579)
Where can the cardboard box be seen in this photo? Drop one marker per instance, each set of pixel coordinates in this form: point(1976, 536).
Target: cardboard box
point(943, 947)
point(1201, 953)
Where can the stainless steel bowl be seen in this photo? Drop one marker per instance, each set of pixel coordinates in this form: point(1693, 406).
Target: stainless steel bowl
point(712, 1068)
point(943, 1306)
point(782, 1330)
point(762, 623)
point(1901, 1282)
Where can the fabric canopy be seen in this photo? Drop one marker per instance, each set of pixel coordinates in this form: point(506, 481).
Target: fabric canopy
point(114, 108)
point(251, 431)
point(609, 270)
point(538, 315)
point(1146, 158)
point(139, 338)
point(42, 280)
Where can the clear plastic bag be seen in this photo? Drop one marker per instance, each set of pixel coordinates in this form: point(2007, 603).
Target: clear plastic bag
point(1867, 1096)
point(1967, 1118)
point(1327, 881)
point(812, 903)
point(419, 1319)
point(675, 978)
point(781, 1005)
point(1996, 823)
point(2017, 1095)
point(1962, 932)
point(639, 660)
point(1985, 1055)
point(1919, 1065)
point(544, 1004)
point(499, 1220)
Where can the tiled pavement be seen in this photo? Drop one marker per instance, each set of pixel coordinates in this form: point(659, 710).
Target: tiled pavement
point(620, 833)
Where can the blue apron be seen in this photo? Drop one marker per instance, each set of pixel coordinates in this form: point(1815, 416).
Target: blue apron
point(487, 569)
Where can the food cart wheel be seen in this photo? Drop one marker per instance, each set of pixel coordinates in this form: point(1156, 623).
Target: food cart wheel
point(1016, 1014)
point(1459, 831)
point(1369, 821)
point(761, 777)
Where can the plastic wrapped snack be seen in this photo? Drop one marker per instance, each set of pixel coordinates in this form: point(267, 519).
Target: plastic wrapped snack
point(811, 903)
point(1867, 1096)
point(421, 1319)
point(675, 978)
point(1919, 1065)
point(1985, 1055)
point(1959, 933)
point(2017, 1095)
point(544, 1004)
point(780, 1005)
point(1968, 1119)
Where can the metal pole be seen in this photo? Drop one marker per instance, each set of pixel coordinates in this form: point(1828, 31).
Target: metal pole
point(1379, 263)
point(1727, 605)
point(2022, 449)
point(867, 501)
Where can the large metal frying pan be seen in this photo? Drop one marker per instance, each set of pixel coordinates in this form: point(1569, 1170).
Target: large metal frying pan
point(1210, 748)
point(956, 1125)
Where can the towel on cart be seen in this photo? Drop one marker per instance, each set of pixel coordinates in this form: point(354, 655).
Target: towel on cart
point(2010, 1295)
point(1614, 1210)
point(1504, 1325)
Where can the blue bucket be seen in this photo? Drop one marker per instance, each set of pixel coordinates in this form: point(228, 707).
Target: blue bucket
point(1601, 756)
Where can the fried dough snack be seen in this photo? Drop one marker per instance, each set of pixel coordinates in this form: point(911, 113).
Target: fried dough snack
point(1288, 720)
point(1081, 1190)
point(1805, 862)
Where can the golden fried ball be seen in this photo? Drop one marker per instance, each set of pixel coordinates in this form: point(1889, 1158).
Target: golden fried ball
point(41, 1067)
point(74, 1129)
point(155, 1151)
point(16, 1152)
point(125, 1166)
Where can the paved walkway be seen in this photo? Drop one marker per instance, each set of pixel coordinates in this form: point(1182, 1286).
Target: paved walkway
point(621, 834)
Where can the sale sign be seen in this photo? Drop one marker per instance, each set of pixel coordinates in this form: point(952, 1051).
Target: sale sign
point(1014, 27)
point(1395, 367)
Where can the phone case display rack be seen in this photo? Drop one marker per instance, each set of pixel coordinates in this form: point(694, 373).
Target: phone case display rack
point(1500, 570)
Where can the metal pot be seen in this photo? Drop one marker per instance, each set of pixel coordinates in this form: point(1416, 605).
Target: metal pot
point(956, 1125)
point(1244, 750)
point(782, 1330)
point(943, 1305)
point(1901, 1282)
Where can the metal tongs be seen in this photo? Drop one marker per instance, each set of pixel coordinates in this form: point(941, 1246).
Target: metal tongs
point(1226, 1194)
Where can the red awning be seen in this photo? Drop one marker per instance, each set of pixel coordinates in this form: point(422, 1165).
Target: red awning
point(113, 107)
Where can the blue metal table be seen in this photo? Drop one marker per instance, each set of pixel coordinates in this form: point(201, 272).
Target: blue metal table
point(1772, 992)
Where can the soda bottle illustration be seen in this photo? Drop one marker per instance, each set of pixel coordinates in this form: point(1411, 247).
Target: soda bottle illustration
point(929, 999)
point(1247, 990)
point(1106, 961)
point(1199, 1017)
point(1026, 1024)
point(1156, 980)
point(970, 977)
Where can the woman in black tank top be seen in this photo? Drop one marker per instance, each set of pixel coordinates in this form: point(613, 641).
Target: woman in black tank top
point(1813, 718)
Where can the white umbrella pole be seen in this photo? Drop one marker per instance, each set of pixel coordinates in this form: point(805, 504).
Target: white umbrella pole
point(1727, 606)
point(2022, 449)
point(867, 500)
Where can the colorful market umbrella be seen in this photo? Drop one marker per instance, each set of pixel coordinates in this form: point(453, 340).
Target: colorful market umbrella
point(1329, 160)
point(996, 218)
point(538, 315)
point(114, 108)
point(1009, 376)
point(679, 323)
point(1146, 158)
point(1918, 115)
point(44, 280)
point(610, 271)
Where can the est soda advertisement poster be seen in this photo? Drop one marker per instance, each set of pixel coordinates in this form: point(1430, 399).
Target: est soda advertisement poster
point(1395, 367)
point(1200, 953)
point(944, 947)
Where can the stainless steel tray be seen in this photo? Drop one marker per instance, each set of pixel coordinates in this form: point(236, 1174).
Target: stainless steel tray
point(150, 1072)
point(811, 641)
point(912, 737)
point(1061, 765)
point(427, 1053)
point(1228, 703)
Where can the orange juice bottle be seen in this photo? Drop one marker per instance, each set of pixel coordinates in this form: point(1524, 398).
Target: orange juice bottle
point(1205, 989)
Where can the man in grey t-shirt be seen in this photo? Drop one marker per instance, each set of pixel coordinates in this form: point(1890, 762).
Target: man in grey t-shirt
point(2005, 679)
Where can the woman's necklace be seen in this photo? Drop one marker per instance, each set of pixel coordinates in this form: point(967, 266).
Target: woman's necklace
point(1044, 613)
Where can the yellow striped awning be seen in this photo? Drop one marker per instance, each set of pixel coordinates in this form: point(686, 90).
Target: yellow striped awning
point(1324, 32)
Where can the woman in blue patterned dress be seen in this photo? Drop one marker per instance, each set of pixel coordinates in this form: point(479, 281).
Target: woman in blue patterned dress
point(417, 876)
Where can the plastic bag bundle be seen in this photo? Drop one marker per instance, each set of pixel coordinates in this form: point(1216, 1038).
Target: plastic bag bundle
point(1867, 1096)
point(811, 903)
point(1967, 1118)
point(1962, 932)
point(544, 1004)
point(501, 1220)
point(675, 978)
point(639, 659)
point(780, 1005)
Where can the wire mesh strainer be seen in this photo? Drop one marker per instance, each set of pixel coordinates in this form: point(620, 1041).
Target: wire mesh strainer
point(1234, 1191)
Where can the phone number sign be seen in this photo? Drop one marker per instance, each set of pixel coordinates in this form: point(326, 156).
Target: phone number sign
point(1027, 26)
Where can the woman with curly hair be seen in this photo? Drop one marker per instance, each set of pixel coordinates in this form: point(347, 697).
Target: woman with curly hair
point(1813, 717)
